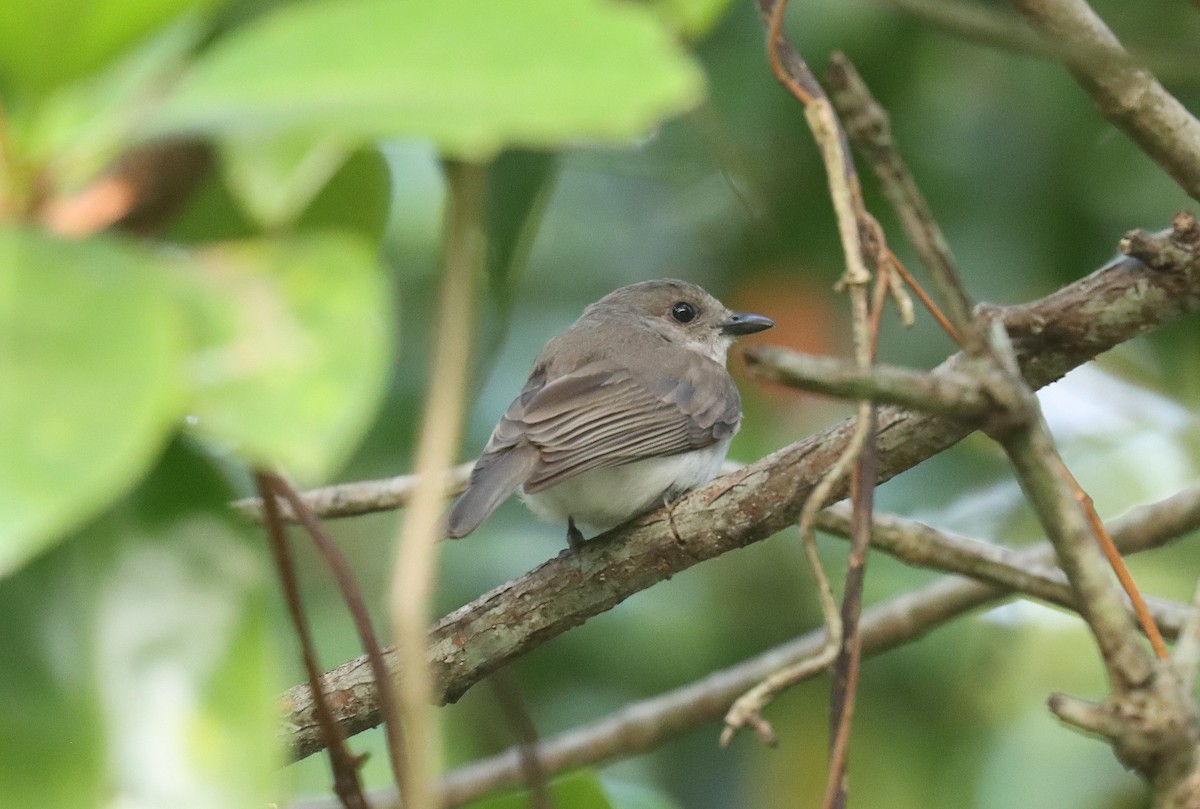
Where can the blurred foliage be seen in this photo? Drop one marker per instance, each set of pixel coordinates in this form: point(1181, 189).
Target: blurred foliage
point(282, 319)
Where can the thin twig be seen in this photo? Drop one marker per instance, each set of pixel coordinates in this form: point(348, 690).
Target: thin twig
point(359, 497)
point(1052, 335)
point(1113, 556)
point(958, 395)
point(353, 597)
point(412, 580)
point(1187, 648)
point(346, 783)
point(846, 668)
point(869, 129)
point(647, 723)
point(533, 772)
point(860, 234)
point(747, 710)
point(1045, 481)
point(920, 545)
point(1129, 96)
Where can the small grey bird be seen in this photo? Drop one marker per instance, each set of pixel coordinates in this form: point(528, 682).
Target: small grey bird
point(624, 411)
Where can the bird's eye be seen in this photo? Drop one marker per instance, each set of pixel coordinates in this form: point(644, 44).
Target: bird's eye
point(683, 312)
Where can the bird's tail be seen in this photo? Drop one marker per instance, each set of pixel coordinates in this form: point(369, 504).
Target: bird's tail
point(495, 477)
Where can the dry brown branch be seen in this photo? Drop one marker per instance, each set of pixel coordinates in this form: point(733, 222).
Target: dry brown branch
point(861, 237)
point(346, 782)
point(1051, 335)
point(647, 723)
point(1150, 717)
point(1128, 95)
point(336, 561)
point(1027, 441)
point(360, 497)
point(920, 545)
point(958, 395)
point(869, 128)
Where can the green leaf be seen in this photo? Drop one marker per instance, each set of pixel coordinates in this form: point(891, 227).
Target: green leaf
point(137, 666)
point(275, 179)
point(692, 18)
point(291, 348)
point(81, 128)
point(474, 77)
point(356, 199)
point(89, 382)
point(519, 186)
point(44, 43)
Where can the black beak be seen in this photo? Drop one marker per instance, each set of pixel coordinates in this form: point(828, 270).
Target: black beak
point(743, 323)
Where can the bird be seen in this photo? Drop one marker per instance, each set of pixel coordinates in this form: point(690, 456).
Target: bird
point(625, 411)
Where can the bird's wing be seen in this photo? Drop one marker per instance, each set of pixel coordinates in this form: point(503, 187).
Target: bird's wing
point(602, 415)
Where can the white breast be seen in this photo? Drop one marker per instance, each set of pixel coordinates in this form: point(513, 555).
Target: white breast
point(604, 498)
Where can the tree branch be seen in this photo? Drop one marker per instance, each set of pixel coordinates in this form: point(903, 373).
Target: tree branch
point(1128, 95)
point(948, 393)
point(1051, 336)
point(647, 723)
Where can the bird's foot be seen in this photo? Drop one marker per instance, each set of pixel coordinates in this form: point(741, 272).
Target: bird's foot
point(574, 536)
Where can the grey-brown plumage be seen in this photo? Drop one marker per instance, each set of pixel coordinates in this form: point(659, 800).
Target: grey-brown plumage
point(629, 407)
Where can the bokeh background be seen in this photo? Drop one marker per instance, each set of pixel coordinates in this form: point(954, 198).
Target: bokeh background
point(1033, 189)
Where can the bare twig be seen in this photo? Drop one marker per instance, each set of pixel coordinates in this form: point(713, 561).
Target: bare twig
point(346, 783)
point(352, 595)
point(648, 723)
point(1150, 716)
point(1129, 96)
point(869, 129)
point(958, 395)
point(533, 773)
point(1187, 649)
point(923, 546)
point(360, 497)
point(860, 234)
point(1046, 483)
point(1113, 557)
point(747, 710)
point(412, 580)
point(1052, 335)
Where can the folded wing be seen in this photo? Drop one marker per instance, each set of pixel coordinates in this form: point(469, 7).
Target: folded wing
point(599, 416)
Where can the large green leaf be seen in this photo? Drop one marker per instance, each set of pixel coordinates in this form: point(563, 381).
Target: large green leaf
point(355, 199)
point(46, 42)
point(693, 18)
point(89, 381)
point(291, 346)
point(471, 75)
point(137, 664)
point(275, 179)
point(80, 129)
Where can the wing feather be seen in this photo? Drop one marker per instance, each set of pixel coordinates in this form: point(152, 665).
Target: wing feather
point(602, 416)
